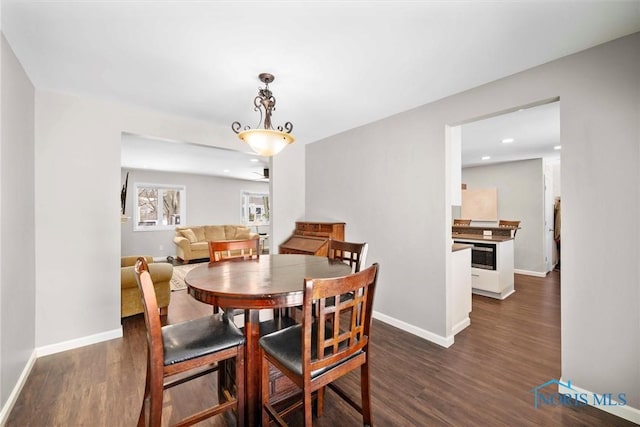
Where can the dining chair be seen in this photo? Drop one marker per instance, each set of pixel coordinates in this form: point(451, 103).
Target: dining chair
point(354, 254)
point(319, 351)
point(231, 251)
point(185, 351)
point(234, 250)
point(459, 221)
point(509, 224)
point(506, 223)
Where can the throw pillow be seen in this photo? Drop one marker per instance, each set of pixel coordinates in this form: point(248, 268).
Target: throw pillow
point(189, 234)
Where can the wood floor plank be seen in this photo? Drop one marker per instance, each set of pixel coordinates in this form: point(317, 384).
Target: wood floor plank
point(484, 379)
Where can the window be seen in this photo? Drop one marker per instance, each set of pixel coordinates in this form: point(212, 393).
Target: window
point(255, 208)
point(159, 207)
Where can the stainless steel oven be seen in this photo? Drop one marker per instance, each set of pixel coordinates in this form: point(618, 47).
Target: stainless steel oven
point(483, 255)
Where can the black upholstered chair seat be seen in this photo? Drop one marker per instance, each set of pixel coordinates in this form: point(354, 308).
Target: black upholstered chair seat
point(198, 337)
point(286, 347)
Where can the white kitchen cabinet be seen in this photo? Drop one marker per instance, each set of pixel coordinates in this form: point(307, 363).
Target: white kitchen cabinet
point(461, 287)
point(495, 281)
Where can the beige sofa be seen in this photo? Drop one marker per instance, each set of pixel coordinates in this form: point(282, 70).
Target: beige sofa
point(130, 299)
point(193, 242)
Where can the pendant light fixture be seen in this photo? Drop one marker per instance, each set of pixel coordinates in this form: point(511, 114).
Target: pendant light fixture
point(265, 141)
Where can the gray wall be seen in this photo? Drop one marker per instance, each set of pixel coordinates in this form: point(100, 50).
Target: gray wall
point(388, 182)
point(210, 200)
point(17, 226)
point(520, 188)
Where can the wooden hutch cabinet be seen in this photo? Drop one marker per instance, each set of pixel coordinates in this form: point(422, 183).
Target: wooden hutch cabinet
point(312, 237)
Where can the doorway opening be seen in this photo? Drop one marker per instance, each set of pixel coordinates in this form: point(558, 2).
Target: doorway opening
point(514, 155)
point(210, 187)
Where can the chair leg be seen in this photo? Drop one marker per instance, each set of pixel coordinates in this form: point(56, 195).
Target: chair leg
point(365, 391)
point(264, 389)
point(155, 402)
point(320, 402)
point(222, 378)
point(142, 419)
point(240, 389)
point(164, 311)
point(308, 409)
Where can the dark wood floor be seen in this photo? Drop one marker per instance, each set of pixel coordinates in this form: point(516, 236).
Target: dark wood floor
point(484, 379)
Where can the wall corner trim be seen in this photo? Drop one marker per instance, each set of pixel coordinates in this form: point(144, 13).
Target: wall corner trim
point(13, 397)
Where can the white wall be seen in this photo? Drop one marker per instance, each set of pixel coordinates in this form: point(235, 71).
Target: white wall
point(388, 179)
point(520, 187)
point(210, 200)
point(17, 227)
point(287, 183)
point(78, 143)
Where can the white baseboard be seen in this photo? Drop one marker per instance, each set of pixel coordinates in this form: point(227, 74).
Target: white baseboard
point(460, 326)
point(501, 296)
point(422, 333)
point(78, 342)
point(8, 406)
point(530, 273)
point(627, 412)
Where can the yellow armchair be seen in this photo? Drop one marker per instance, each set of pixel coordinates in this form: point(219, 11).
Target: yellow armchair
point(130, 299)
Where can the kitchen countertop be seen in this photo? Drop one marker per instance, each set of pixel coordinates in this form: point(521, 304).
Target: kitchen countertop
point(480, 237)
point(460, 246)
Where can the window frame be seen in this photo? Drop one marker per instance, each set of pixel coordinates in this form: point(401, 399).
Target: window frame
point(182, 189)
point(245, 208)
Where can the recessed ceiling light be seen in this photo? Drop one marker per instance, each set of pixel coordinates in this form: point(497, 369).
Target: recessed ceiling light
point(558, 147)
point(254, 160)
point(226, 171)
point(508, 140)
point(486, 157)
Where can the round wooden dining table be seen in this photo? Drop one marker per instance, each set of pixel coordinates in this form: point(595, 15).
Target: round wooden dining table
point(271, 281)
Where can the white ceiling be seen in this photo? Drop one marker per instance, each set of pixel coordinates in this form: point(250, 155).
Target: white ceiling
point(338, 65)
point(535, 132)
point(146, 153)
